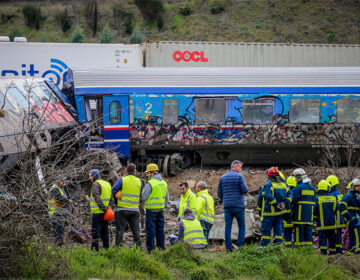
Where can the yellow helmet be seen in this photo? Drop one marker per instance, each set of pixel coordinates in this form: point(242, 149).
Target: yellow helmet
point(323, 185)
point(151, 167)
point(291, 181)
point(333, 180)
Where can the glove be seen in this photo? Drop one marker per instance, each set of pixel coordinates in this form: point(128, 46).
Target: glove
point(281, 206)
point(354, 223)
point(172, 239)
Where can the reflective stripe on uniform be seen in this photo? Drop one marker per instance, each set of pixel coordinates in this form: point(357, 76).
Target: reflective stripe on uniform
point(307, 192)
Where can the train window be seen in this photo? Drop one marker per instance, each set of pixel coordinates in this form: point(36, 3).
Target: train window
point(305, 110)
point(210, 110)
point(170, 112)
point(348, 110)
point(48, 93)
point(258, 111)
point(131, 111)
point(115, 112)
point(7, 105)
point(93, 108)
point(20, 99)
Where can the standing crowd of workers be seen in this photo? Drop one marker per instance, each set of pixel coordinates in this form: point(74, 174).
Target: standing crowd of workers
point(289, 209)
point(292, 207)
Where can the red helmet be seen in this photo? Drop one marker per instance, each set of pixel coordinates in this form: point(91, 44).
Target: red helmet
point(273, 171)
point(109, 214)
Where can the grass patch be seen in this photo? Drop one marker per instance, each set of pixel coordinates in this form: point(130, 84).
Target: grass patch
point(181, 262)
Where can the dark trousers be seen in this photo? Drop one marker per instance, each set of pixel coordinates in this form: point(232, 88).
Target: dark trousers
point(99, 229)
point(303, 235)
point(206, 228)
point(239, 214)
point(267, 224)
point(338, 240)
point(123, 217)
point(154, 228)
point(354, 244)
point(58, 224)
point(288, 234)
point(324, 237)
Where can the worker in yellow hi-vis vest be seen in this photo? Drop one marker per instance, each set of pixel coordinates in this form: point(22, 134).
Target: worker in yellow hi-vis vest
point(100, 197)
point(156, 196)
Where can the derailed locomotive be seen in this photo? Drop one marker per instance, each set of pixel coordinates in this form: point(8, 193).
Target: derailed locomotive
point(178, 116)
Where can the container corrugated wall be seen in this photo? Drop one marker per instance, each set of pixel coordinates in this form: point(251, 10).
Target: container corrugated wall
point(215, 54)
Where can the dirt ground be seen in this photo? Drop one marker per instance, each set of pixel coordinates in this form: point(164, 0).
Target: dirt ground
point(255, 178)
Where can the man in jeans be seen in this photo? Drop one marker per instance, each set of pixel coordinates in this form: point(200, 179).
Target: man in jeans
point(231, 188)
point(127, 210)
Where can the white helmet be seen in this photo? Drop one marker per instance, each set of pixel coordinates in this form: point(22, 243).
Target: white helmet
point(353, 183)
point(299, 174)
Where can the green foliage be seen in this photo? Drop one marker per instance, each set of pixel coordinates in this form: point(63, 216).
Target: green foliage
point(116, 263)
point(95, 25)
point(15, 32)
point(177, 23)
point(180, 262)
point(90, 11)
point(106, 36)
point(185, 11)
point(5, 18)
point(331, 37)
point(33, 16)
point(78, 35)
point(64, 20)
point(135, 37)
point(217, 7)
point(123, 18)
point(160, 23)
point(150, 9)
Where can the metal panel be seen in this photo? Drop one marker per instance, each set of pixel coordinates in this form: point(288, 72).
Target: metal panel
point(227, 54)
point(219, 77)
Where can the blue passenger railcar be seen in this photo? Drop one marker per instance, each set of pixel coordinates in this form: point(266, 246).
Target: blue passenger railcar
point(258, 115)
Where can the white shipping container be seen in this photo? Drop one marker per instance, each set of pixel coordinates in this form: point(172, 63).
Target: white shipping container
point(222, 54)
point(51, 60)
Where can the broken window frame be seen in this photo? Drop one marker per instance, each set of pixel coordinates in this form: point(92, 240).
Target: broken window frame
point(170, 117)
point(204, 119)
point(253, 103)
point(298, 120)
point(354, 104)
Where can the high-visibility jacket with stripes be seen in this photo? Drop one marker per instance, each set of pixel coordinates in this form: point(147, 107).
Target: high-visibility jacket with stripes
point(304, 202)
point(275, 193)
point(105, 196)
point(131, 191)
point(157, 197)
point(325, 211)
point(193, 233)
point(52, 204)
point(206, 209)
point(349, 207)
point(340, 222)
point(188, 201)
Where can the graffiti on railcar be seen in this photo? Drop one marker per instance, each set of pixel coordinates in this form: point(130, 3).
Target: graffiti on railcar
point(246, 119)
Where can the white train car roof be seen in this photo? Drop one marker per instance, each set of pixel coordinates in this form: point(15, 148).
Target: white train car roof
point(219, 77)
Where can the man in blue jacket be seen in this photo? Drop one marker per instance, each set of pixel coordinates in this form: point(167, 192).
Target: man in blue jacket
point(276, 199)
point(340, 223)
point(349, 207)
point(231, 188)
point(303, 203)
